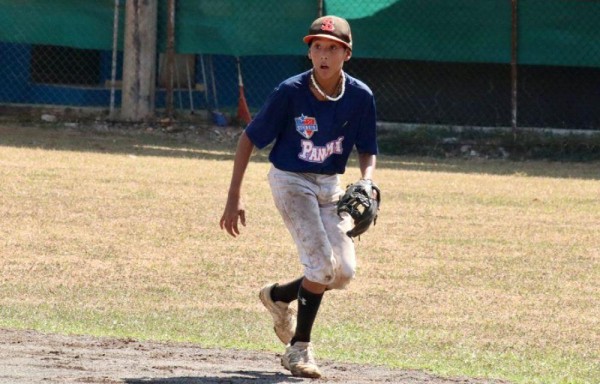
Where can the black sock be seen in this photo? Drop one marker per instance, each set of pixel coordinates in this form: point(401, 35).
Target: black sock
point(308, 306)
point(286, 292)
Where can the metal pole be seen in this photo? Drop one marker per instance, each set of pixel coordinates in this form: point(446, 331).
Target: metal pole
point(320, 10)
point(170, 56)
point(513, 65)
point(205, 82)
point(214, 83)
point(189, 84)
point(178, 89)
point(113, 69)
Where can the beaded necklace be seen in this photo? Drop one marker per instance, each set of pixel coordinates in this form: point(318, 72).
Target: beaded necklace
point(326, 96)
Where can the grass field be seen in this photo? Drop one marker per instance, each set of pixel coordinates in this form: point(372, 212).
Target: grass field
point(476, 267)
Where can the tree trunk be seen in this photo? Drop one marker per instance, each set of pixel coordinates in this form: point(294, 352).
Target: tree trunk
point(139, 63)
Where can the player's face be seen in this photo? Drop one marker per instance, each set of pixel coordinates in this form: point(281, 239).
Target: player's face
point(328, 57)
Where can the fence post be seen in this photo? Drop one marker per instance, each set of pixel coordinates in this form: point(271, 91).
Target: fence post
point(170, 66)
point(513, 67)
point(113, 66)
point(139, 62)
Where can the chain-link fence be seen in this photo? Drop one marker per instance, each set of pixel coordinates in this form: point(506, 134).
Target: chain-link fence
point(428, 62)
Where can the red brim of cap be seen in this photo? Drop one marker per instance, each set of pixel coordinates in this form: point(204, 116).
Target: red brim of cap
point(307, 39)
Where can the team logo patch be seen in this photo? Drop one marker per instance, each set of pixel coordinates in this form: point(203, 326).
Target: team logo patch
point(328, 25)
point(306, 126)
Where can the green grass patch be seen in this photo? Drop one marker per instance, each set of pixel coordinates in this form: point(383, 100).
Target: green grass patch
point(476, 267)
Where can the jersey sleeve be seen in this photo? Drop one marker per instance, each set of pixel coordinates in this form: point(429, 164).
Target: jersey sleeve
point(366, 141)
point(270, 120)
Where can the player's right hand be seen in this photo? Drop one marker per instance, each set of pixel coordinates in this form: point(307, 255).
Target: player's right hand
point(234, 212)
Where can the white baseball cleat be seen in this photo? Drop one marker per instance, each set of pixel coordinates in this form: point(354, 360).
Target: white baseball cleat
point(299, 360)
point(284, 317)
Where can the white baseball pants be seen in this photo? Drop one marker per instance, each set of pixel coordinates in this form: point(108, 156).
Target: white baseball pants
point(307, 203)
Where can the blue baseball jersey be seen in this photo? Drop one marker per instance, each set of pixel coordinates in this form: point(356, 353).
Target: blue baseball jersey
point(315, 136)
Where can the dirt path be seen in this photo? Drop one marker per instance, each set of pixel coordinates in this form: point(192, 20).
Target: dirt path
point(32, 357)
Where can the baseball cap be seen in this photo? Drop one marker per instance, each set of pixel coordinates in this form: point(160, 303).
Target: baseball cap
point(330, 27)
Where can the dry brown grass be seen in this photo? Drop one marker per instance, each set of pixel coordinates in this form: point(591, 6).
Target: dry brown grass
point(483, 268)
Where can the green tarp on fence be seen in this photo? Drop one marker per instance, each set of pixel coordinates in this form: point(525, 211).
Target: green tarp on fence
point(551, 32)
point(242, 28)
point(71, 23)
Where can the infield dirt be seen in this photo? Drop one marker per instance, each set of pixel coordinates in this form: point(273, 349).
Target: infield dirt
point(33, 357)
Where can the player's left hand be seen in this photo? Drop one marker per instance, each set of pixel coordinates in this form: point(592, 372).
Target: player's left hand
point(361, 201)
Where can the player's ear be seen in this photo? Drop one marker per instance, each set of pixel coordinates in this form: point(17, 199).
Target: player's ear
point(348, 54)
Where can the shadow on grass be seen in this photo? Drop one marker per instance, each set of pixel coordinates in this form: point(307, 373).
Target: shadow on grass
point(233, 377)
point(195, 145)
point(201, 144)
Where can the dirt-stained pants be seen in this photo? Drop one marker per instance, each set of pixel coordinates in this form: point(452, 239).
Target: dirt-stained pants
point(307, 203)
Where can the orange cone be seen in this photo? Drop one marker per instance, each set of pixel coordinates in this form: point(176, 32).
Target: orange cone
point(243, 112)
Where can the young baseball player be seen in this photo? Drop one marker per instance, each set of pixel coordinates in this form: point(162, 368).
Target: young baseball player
point(314, 120)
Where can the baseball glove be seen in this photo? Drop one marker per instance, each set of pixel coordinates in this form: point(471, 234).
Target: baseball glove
point(362, 206)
